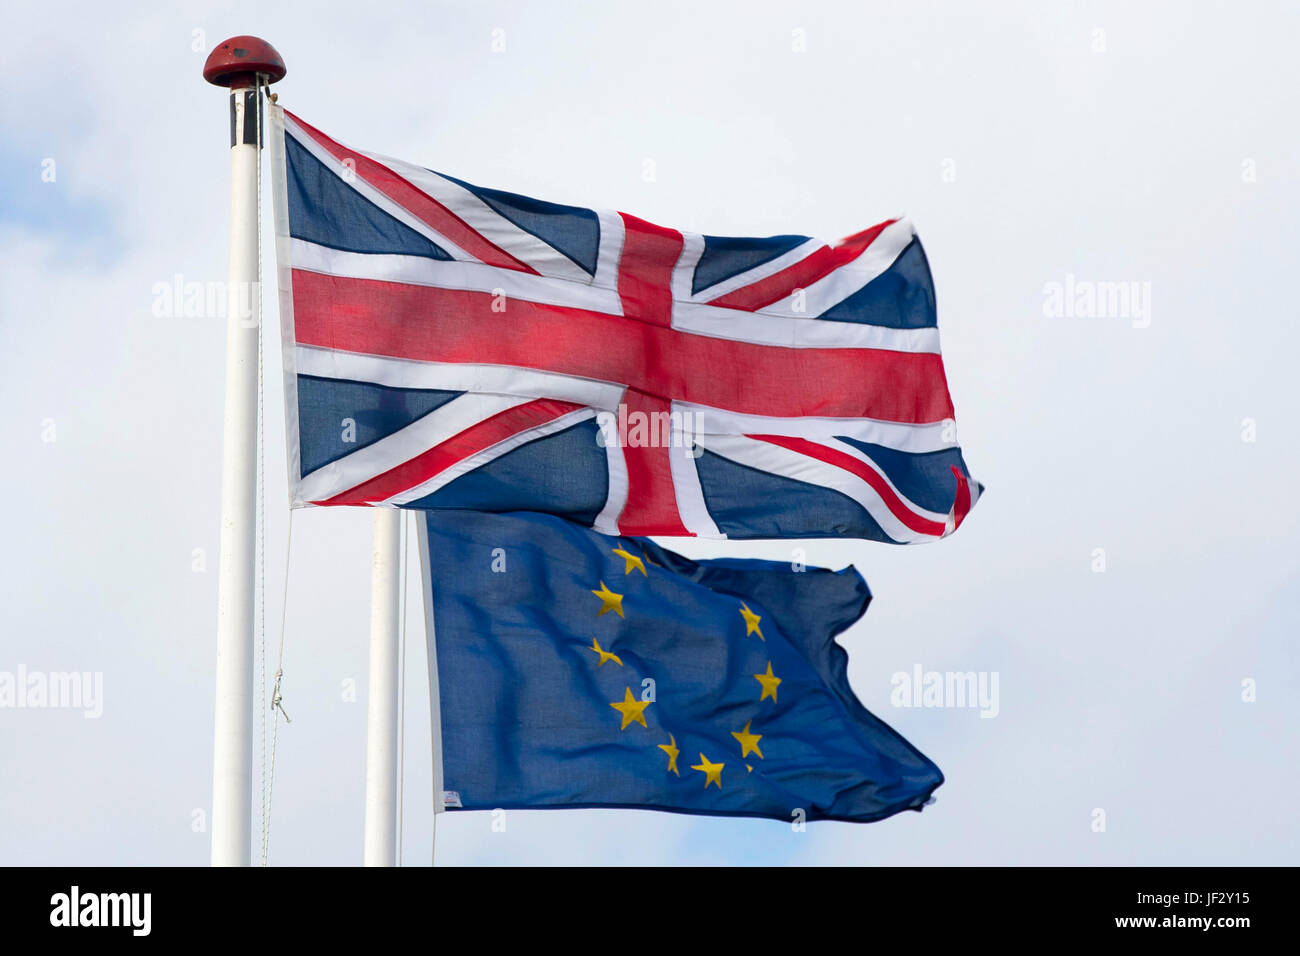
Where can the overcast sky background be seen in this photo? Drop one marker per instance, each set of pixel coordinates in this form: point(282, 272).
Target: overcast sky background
point(1025, 144)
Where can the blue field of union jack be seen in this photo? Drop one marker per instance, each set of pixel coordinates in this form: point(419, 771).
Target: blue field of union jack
point(450, 346)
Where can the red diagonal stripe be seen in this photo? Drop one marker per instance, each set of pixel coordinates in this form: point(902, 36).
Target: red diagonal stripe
point(418, 203)
point(803, 273)
point(452, 325)
point(864, 471)
point(458, 447)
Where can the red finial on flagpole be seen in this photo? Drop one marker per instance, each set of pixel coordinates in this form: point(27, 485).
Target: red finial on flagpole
point(238, 61)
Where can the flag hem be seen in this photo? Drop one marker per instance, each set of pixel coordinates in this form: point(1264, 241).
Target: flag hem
point(431, 645)
point(284, 282)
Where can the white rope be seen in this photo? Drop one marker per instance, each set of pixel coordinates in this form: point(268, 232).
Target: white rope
point(276, 706)
point(267, 783)
point(261, 486)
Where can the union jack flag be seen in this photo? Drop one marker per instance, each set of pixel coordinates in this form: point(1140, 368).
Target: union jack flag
point(451, 346)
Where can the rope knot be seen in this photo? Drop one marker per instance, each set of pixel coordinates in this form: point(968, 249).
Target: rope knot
point(276, 697)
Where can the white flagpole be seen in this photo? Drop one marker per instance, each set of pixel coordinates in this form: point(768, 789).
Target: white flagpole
point(381, 713)
point(241, 63)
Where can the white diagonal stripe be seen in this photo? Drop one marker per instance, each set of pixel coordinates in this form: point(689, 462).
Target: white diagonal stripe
point(487, 222)
point(353, 180)
point(832, 289)
point(469, 463)
point(776, 460)
point(759, 272)
point(401, 446)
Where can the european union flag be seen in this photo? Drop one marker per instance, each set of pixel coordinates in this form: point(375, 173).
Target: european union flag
point(573, 669)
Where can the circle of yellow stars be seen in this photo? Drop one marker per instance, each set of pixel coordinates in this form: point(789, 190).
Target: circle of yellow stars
point(632, 710)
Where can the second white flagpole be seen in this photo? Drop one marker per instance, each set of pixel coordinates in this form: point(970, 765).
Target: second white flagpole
point(381, 710)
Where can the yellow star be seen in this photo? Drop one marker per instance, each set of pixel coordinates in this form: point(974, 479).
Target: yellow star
point(748, 741)
point(609, 601)
point(748, 769)
point(630, 561)
point(751, 622)
point(631, 709)
point(671, 750)
point(604, 654)
point(769, 682)
point(712, 771)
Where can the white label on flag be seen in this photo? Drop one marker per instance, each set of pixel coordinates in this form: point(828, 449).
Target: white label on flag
point(451, 798)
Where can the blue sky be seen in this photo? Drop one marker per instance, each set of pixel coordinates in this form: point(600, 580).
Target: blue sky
point(1103, 142)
